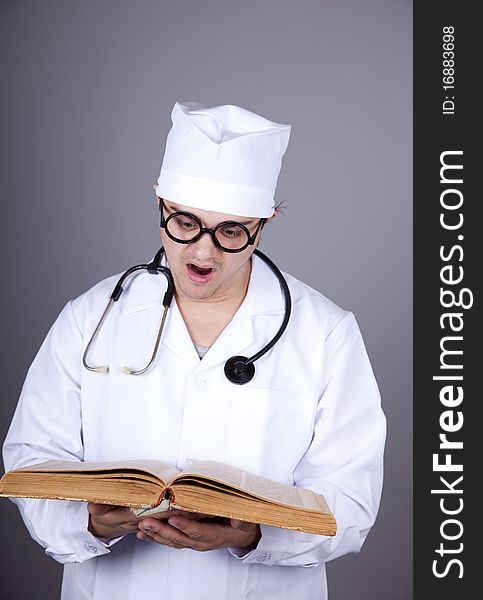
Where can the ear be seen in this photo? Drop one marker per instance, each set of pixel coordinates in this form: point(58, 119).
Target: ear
point(272, 217)
point(158, 199)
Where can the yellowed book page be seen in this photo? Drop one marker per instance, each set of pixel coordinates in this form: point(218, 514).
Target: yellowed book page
point(163, 506)
point(256, 485)
point(161, 470)
point(322, 502)
point(314, 501)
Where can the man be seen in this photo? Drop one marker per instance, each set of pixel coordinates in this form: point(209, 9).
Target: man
point(310, 415)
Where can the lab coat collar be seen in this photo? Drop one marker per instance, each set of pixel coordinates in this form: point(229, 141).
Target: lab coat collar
point(264, 297)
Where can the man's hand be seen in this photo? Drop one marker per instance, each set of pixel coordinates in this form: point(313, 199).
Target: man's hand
point(181, 531)
point(107, 521)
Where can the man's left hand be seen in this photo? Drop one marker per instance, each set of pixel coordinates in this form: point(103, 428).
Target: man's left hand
point(202, 535)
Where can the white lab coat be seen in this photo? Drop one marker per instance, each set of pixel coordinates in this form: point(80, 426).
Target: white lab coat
point(311, 416)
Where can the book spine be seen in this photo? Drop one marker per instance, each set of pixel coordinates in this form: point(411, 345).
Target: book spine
point(167, 495)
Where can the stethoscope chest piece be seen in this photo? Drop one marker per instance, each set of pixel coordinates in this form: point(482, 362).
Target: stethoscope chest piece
point(238, 369)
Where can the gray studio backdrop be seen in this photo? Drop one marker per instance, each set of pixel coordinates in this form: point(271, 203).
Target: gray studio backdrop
point(87, 91)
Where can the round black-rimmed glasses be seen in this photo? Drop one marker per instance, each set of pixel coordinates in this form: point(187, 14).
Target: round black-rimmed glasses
point(186, 228)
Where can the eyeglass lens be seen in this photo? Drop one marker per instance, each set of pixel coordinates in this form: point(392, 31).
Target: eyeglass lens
point(184, 228)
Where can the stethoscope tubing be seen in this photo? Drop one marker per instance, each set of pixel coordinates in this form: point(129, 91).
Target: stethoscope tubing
point(238, 369)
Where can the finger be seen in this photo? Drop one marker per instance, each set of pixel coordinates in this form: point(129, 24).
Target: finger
point(115, 514)
point(155, 539)
point(142, 535)
point(194, 516)
point(163, 533)
point(166, 514)
point(99, 509)
point(242, 525)
point(203, 534)
point(155, 527)
point(195, 530)
point(236, 523)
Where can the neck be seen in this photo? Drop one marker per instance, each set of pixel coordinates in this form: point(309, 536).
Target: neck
point(206, 318)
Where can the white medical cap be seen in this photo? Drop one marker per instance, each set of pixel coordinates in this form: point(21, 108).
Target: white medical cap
point(222, 159)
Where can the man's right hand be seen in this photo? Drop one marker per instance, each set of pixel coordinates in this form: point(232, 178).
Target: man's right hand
point(107, 521)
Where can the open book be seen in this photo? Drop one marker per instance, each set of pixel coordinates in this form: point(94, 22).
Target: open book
point(150, 486)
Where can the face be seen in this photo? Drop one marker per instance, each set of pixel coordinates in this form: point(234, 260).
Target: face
point(203, 272)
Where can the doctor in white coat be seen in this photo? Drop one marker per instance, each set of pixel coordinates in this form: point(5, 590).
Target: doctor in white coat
point(310, 416)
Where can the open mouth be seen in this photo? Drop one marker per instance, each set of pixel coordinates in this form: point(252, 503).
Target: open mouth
point(200, 270)
point(199, 274)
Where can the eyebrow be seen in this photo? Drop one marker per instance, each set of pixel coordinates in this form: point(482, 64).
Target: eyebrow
point(172, 209)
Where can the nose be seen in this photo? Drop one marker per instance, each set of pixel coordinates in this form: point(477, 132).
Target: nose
point(205, 247)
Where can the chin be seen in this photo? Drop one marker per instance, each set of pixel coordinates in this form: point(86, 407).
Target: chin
point(196, 292)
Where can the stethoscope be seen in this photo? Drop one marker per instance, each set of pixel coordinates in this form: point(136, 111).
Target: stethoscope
point(238, 369)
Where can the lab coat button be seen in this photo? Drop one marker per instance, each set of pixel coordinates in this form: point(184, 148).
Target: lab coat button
point(90, 548)
point(200, 381)
point(262, 558)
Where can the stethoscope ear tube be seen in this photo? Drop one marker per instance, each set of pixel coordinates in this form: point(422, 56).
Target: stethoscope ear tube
point(238, 369)
point(154, 268)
